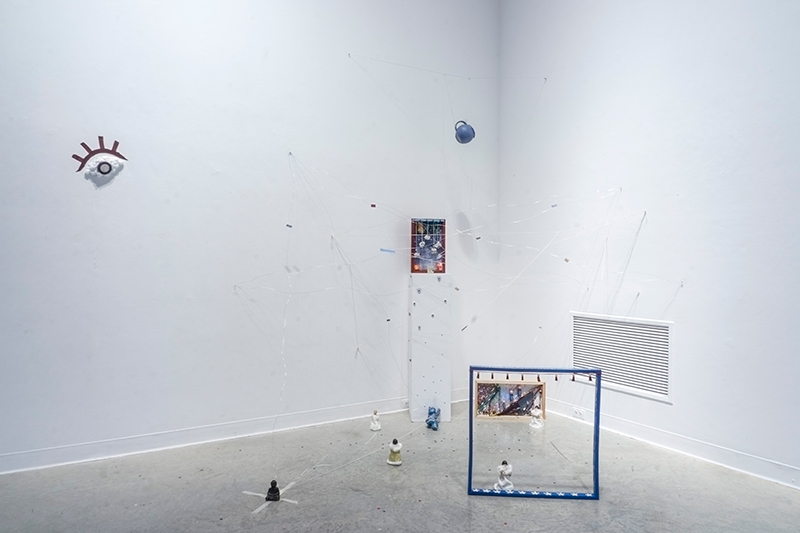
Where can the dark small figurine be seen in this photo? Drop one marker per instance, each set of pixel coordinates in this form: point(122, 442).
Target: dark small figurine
point(273, 493)
point(433, 418)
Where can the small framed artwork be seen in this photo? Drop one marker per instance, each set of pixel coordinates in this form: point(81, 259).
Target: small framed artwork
point(428, 246)
point(510, 400)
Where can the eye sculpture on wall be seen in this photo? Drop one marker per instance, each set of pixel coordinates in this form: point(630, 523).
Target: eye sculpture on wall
point(102, 164)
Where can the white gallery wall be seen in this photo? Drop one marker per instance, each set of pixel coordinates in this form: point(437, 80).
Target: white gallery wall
point(655, 175)
point(247, 271)
point(235, 277)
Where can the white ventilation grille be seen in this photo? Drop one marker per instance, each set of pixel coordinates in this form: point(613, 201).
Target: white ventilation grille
point(631, 352)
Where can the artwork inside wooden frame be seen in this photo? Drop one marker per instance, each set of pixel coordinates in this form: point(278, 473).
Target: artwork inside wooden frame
point(428, 239)
point(508, 399)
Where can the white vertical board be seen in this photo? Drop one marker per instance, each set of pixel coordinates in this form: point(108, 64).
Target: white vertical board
point(429, 345)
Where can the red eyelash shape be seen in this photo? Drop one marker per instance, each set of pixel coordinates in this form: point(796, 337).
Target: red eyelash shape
point(91, 153)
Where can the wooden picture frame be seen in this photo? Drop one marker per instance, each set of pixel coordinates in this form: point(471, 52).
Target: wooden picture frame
point(428, 243)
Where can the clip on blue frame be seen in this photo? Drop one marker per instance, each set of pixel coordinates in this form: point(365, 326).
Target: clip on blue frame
point(595, 494)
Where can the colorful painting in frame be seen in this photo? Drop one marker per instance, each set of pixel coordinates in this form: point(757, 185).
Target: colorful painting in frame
point(428, 236)
point(505, 399)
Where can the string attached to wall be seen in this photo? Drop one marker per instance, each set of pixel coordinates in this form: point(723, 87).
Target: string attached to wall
point(322, 196)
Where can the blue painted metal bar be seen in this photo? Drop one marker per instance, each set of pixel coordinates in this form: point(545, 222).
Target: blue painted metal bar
point(471, 421)
point(534, 494)
point(597, 435)
point(534, 370)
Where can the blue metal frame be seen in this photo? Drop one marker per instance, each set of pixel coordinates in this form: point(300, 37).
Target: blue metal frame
point(595, 494)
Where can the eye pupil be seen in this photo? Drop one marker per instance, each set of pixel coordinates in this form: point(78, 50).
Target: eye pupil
point(104, 167)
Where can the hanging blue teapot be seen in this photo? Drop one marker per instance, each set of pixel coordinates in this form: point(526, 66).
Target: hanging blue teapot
point(464, 132)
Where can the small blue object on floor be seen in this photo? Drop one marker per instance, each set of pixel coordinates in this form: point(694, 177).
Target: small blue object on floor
point(433, 418)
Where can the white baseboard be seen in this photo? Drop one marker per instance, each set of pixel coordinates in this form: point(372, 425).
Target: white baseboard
point(92, 451)
point(762, 467)
point(784, 474)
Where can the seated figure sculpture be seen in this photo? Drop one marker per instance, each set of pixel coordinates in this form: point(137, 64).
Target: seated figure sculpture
point(273, 493)
point(433, 418)
point(504, 477)
point(375, 424)
point(394, 453)
point(536, 418)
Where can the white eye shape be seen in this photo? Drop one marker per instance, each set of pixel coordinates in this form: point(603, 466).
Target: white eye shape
point(101, 165)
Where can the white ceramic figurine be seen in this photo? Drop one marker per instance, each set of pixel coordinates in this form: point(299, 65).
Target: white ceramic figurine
point(536, 418)
point(375, 425)
point(504, 479)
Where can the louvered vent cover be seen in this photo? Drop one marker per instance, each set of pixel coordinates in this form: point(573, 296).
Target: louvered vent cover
point(630, 353)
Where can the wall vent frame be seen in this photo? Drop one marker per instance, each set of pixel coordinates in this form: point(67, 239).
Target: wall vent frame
point(634, 353)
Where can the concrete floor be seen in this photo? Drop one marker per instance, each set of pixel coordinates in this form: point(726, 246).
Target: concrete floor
point(557, 457)
point(341, 482)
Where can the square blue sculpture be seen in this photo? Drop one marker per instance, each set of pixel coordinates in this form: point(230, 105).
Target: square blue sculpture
point(581, 383)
